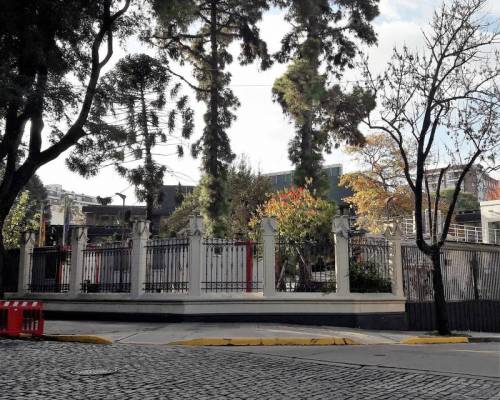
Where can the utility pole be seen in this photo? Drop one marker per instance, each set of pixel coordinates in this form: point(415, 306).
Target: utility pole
point(123, 197)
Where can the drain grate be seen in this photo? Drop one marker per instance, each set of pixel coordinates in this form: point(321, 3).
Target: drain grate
point(95, 372)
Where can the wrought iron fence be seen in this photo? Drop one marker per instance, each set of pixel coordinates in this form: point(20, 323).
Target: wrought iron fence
point(11, 270)
point(307, 266)
point(369, 267)
point(106, 268)
point(471, 278)
point(167, 263)
point(232, 265)
point(50, 269)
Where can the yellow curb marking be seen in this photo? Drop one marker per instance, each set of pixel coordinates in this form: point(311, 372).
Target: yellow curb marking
point(276, 341)
point(434, 340)
point(79, 339)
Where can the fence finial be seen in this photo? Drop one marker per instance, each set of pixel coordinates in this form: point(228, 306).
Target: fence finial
point(28, 238)
point(196, 226)
point(269, 226)
point(393, 231)
point(340, 226)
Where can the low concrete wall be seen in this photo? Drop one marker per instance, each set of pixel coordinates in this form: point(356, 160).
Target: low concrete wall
point(371, 311)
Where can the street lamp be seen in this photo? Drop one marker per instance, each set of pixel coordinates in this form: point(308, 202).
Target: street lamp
point(123, 197)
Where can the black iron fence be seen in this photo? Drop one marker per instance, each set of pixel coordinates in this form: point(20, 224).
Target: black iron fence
point(306, 266)
point(369, 266)
point(167, 262)
point(11, 270)
point(106, 268)
point(231, 265)
point(471, 277)
point(50, 269)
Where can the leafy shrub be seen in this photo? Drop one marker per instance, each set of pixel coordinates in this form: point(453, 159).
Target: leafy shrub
point(365, 277)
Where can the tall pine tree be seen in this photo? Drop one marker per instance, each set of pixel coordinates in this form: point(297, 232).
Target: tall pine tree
point(130, 120)
point(199, 32)
point(321, 44)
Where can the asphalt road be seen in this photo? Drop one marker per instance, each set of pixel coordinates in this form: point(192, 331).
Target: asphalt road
point(54, 370)
point(475, 359)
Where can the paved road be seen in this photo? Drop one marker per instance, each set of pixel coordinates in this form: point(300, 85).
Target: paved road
point(476, 359)
point(49, 370)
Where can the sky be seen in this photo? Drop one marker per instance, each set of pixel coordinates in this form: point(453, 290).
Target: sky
point(261, 131)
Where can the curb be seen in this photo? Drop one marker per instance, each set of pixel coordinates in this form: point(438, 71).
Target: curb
point(256, 341)
point(484, 340)
point(434, 340)
point(78, 339)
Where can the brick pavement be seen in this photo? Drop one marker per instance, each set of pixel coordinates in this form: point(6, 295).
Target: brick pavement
point(45, 370)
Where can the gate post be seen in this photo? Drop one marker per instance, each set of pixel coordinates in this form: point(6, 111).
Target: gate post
point(196, 231)
point(341, 232)
point(25, 251)
point(140, 236)
point(268, 228)
point(394, 236)
point(78, 243)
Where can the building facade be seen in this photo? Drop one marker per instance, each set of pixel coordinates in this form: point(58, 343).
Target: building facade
point(60, 200)
point(476, 181)
point(336, 193)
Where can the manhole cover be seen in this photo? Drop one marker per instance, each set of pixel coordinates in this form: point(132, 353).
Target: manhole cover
point(94, 372)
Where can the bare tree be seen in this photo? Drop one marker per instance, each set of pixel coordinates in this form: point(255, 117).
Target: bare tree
point(446, 99)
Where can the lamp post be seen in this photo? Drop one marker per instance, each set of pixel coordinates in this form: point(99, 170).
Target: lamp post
point(123, 197)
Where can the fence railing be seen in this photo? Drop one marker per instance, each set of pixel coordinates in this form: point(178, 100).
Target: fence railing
point(232, 265)
point(106, 268)
point(50, 269)
point(11, 270)
point(471, 279)
point(307, 266)
point(369, 267)
point(167, 266)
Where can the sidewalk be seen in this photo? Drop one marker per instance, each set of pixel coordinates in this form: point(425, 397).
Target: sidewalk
point(168, 333)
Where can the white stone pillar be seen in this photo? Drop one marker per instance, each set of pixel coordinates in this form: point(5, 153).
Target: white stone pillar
point(25, 251)
point(78, 245)
point(394, 235)
point(268, 229)
point(341, 233)
point(196, 231)
point(140, 236)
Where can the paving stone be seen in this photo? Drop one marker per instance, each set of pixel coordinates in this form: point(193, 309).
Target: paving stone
point(45, 370)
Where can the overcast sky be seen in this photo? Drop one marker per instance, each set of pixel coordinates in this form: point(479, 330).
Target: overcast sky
point(261, 132)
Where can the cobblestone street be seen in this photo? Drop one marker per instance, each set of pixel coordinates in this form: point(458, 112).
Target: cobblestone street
point(49, 370)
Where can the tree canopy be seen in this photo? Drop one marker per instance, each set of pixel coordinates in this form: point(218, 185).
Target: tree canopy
point(45, 45)
point(130, 122)
point(324, 34)
point(199, 32)
point(245, 190)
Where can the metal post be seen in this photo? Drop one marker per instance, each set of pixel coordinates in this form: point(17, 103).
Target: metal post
point(25, 252)
point(341, 233)
point(140, 236)
point(196, 231)
point(268, 228)
point(123, 197)
point(78, 245)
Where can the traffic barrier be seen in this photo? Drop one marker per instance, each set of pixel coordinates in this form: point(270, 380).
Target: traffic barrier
point(19, 317)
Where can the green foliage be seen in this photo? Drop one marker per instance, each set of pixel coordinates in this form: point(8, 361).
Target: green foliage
point(324, 33)
point(364, 277)
point(465, 202)
point(135, 92)
point(18, 221)
point(300, 216)
point(245, 191)
point(200, 33)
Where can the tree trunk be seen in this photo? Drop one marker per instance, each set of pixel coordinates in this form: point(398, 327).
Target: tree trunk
point(2, 261)
point(439, 299)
